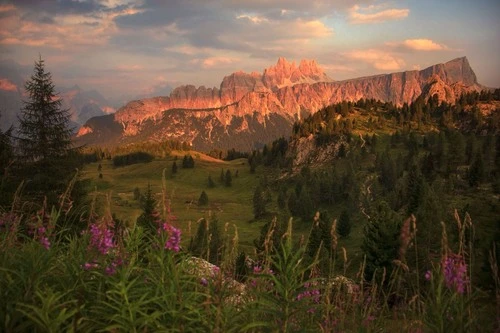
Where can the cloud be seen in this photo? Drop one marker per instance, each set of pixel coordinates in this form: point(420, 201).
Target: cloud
point(129, 68)
point(68, 30)
point(378, 59)
point(253, 19)
point(374, 14)
point(215, 61)
point(7, 8)
point(424, 45)
point(337, 68)
point(6, 85)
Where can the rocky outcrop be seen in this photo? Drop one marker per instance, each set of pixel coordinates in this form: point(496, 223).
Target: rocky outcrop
point(284, 93)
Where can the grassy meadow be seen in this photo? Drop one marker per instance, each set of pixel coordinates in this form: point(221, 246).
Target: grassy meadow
point(232, 205)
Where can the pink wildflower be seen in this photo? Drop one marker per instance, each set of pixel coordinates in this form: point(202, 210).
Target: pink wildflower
point(174, 240)
point(101, 238)
point(455, 272)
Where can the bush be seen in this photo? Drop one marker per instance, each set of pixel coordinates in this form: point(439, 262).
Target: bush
point(132, 158)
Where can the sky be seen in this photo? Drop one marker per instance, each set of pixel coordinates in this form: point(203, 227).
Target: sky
point(125, 48)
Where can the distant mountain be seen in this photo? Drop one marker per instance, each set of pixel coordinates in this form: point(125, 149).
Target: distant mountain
point(82, 104)
point(250, 109)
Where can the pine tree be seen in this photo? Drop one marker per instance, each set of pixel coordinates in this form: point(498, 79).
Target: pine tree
point(148, 206)
point(381, 241)
point(344, 226)
point(208, 243)
point(174, 168)
point(282, 198)
point(44, 137)
point(203, 200)
point(476, 170)
point(228, 180)
point(44, 132)
point(259, 203)
point(211, 183)
point(137, 194)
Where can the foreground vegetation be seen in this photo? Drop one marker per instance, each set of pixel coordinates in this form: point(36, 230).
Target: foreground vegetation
point(142, 279)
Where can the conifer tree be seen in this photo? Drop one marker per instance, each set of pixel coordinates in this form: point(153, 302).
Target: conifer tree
point(259, 203)
point(476, 170)
point(148, 206)
point(282, 198)
point(174, 168)
point(211, 183)
point(44, 136)
point(44, 131)
point(203, 200)
point(344, 226)
point(208, 243)
point(228, 180)
point(381, 241)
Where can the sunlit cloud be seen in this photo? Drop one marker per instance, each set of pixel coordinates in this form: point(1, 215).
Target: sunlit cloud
point(215, 61)
point(129, 68)
point(7, 8)
point(6, 85)
point(378, 59)
point(374, 14)
point(337, 68)
point(424, 45)
point(253, 18)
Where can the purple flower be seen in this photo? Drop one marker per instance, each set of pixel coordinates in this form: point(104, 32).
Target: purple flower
point(455, 272)
point(89, 265)
point(110, 270)
point(101, 238)
point(174, 240)
point(204, 282)
point(428, 275)
point(45, 242)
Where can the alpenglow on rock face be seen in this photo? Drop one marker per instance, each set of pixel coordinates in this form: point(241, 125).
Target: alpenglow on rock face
point(248, 110)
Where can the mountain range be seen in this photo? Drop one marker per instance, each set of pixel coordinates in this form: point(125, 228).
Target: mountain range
point(250, 109)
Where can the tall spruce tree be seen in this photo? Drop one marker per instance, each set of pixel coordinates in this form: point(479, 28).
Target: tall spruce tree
point(44, 131)
point(148, 206)
point(44, 135)
point(259, 203)
point(381, 242)
point(344, 227)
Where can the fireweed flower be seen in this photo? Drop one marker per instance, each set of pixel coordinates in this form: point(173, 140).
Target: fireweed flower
point(101, 238)
point(174, 239)
point(455, 272)
point(428, 275)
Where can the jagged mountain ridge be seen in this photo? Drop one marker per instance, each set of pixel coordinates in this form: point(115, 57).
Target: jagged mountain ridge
point(222, 117)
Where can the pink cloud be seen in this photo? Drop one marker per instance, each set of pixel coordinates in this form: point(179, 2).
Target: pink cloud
point(211, 62)
point(359, 15)
point(129, 68)
point(6, 85)
point(378, 59)
point(424, 45)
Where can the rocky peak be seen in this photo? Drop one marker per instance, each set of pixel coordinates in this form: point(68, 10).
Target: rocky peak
point(459, 70)
point(286, 73)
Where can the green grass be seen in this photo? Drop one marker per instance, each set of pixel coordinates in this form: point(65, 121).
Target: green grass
point(231, 205)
